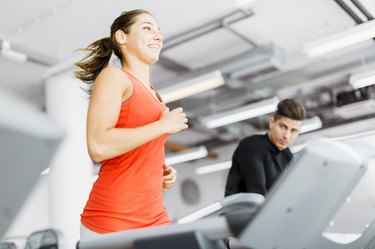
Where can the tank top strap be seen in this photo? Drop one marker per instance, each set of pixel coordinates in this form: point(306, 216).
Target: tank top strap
point(138, 84)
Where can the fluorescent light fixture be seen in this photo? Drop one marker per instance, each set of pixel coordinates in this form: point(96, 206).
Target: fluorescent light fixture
point(363, 79)
point(192, 86)
point(264, 64)
point(311, 124)
point(356, 109)
point(213, 168)
point(241, 113)
point(340, 40)
point(6, 52)
point(187, 155)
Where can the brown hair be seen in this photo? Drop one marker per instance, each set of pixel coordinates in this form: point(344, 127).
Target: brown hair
point(291, 109)
point(99, 52)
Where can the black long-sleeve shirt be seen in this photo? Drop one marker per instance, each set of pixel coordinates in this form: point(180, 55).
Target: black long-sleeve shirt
point(256, 164)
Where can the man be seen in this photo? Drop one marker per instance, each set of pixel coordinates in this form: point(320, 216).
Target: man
point(259, 159)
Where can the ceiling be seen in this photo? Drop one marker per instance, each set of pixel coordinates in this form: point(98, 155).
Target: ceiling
point(257, 46)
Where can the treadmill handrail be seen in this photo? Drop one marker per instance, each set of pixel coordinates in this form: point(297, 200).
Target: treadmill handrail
point(232, 202)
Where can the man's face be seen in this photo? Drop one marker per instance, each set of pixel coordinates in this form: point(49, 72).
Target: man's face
point(284, 131)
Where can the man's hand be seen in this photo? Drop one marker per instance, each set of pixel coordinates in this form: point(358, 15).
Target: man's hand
point(169, 177)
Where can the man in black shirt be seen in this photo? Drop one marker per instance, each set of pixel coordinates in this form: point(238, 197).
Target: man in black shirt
point(259, 159)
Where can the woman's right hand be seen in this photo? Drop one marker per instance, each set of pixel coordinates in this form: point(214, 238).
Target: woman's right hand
point(174, 121)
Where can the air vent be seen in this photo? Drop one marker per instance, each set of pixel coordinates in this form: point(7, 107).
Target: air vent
point(350, 97)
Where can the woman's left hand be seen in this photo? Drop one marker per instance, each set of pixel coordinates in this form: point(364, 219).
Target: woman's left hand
point(169, 176)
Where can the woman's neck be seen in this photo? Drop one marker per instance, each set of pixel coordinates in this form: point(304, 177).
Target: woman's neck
point(142, 73)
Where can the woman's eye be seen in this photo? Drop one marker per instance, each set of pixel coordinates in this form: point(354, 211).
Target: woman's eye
point(148, 28)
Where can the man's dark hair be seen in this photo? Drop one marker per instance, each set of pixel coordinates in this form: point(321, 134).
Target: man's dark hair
point(290, 108)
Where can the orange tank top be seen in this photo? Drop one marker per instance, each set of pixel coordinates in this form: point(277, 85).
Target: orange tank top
point(128, 193)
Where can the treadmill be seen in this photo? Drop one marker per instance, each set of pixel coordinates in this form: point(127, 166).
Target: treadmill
point(299, 205)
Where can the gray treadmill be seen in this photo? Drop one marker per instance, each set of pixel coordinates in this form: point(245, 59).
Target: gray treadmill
point(299, 206)
point(353, 226)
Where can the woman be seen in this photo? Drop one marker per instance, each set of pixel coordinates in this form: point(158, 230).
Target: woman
point(127, 126)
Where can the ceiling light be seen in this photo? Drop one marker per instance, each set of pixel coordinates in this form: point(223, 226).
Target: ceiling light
point(363, 79)
point(241, 113)
point(311, 124)
point(187, 155)
point(213, 168)
point(356, 109)
point(340, 40)
point(267, 65)
point(6, 52)
point(192, 86)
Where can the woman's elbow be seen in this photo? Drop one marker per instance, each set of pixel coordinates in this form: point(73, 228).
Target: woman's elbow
point(96, 154)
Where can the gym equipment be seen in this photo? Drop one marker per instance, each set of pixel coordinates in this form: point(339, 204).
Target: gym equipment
point(28, 142)
point(230, 204)
point(304, 199)
point(8, 245)
point(45, 239)
point(299, 206)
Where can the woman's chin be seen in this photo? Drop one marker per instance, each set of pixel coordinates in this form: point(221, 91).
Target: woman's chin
point(153, 60)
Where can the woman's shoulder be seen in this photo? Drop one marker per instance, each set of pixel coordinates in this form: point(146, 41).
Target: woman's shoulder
point(112, 81)
point(114, 75)
point(112, 71)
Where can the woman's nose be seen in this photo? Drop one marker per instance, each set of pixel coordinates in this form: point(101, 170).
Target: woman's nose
point(158, 36)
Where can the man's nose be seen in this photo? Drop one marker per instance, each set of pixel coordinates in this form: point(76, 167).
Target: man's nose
point(287, 134)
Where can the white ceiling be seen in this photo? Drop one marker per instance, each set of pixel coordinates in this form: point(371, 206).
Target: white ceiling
point(52, 31)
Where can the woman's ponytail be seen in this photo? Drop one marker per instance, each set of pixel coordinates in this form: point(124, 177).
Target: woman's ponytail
point(97, 57)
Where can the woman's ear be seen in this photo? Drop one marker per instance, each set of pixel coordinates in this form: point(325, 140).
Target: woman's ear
point(120, 37)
